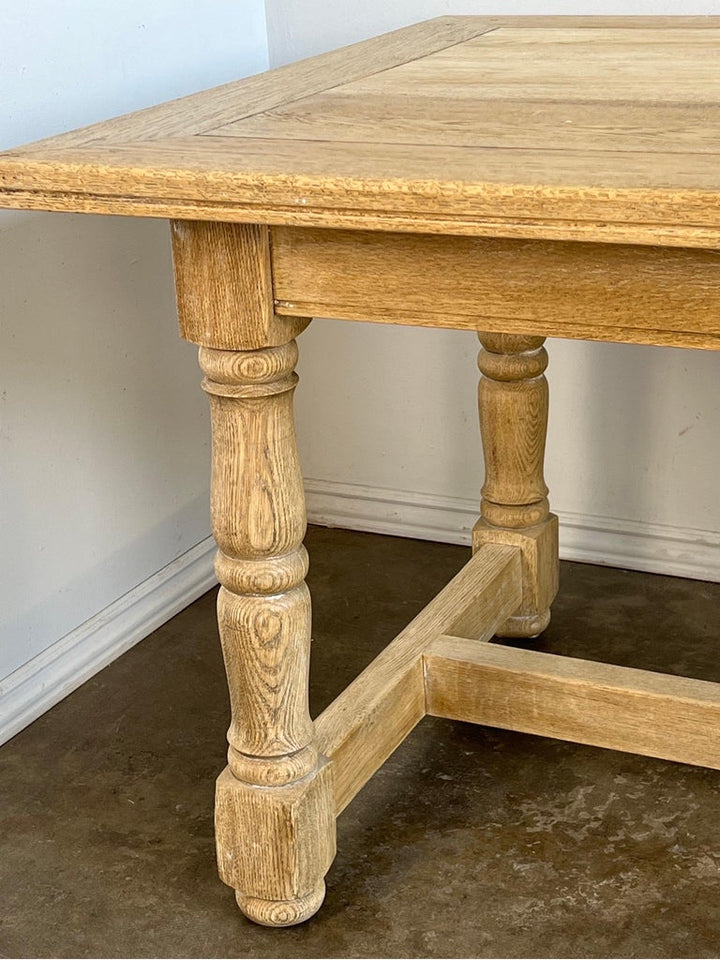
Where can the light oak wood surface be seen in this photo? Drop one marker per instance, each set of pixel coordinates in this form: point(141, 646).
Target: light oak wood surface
point(274, 809)
point(274, 827)
point(578, 128)
point(520, 177)
point(592, 291)
point(372, 716)
point(224, 287)
point(514, 510)
point(674, 718)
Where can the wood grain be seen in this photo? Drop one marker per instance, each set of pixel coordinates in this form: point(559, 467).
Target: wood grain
point(469, 222)
point(590, 291)
point(342, 115)
point(201, 111)
point(224, 286)
point(274, 845)
point(674, 718)
point(513, 406)
point(258, 517)
point(581, 128)
point(372, 716)
point(540, 572)
point(388, 181)
point(274, 820)
point(441, 175)
point(274, 826)
point(209, 108)
point(672, 65)
point(514, 509)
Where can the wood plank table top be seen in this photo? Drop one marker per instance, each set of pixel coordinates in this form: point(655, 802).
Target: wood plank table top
point(589, 128)
point(518, 177)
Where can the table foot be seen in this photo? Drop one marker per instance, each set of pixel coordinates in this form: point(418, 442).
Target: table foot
point(526, 627)
point(281, 913)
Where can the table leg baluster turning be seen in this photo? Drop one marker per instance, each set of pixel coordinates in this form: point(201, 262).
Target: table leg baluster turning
point(287, 779)
point(274, 816)
point(386, 205)
point(513, 407)
point(274, 807)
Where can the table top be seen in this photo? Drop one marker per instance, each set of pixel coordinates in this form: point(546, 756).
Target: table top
point(596, 128)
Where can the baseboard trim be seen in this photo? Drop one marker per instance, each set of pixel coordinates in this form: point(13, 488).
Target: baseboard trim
point(48, 678)
point(631, 544)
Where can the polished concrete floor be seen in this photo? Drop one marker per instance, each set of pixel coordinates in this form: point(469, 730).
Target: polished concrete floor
point(470, 842)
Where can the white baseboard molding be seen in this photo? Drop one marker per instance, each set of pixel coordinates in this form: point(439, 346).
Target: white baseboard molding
point(46, 679)
point(52, 675)
point(631, 544)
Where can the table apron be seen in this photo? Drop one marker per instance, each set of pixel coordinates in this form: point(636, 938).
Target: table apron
point(589, 291)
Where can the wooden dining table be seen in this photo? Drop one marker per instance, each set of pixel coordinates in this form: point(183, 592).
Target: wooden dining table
point(521, 177)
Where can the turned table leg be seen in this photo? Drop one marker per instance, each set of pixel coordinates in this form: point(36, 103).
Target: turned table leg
point(274, 810)
point(274, 816)
point(513, 405)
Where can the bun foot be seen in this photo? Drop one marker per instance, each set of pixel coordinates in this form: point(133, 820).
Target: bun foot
point(528, 627)
point(281, 913)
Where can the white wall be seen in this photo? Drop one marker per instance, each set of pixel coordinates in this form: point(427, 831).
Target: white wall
point(103, 428)
point(388, 431)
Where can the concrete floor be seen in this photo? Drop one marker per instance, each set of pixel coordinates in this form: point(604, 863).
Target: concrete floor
point(470, 842)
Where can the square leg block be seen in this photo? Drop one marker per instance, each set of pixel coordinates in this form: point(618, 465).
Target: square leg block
point(540, 568)
point(274, 843)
